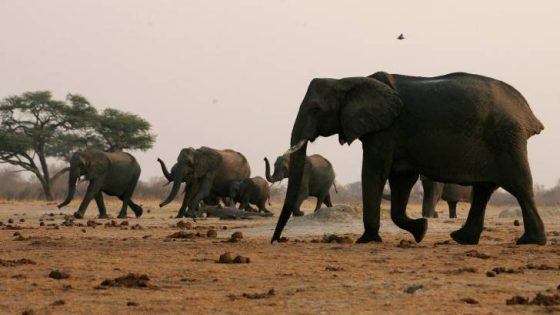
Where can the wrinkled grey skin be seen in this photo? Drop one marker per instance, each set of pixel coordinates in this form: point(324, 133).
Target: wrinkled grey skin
point(113, 173)
point(457, 128)
point(451, 193)
point(318, 177)
point(211, 171)
point(254, 190)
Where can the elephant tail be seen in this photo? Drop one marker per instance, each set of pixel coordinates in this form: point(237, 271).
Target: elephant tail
point(334, 185)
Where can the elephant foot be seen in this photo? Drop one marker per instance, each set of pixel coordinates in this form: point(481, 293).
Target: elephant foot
point(368, 238)
point(78, 215)
point(533, 238)
point(465, 236)
point(418, 229)
point(103, 216)
point(138, 212)
point(298, 213)
point(179, 215)
point(453, 216)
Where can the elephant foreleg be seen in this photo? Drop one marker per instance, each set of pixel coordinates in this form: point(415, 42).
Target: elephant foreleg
point(401, 184)
point(101, 205)
point(204, 191)
point(452, 209)
point(93, 189)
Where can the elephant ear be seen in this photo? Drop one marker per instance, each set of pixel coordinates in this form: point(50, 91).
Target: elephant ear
point(97, 164)
point(368, 106)
point(205, 160)
point(186, 155)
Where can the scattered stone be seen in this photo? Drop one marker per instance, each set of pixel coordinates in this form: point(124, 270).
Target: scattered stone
point(124, 223)
point(146, 236)
point(211, 234)
point(28, 312)
point(490, 274)
point(184, 225)
point(469, 301)
point(224, 227)
point(58, 275)
point(181, 234)
point(406, 244)
point(517, 300)
point(238, 235)
point(42, 223)
point(540, 267)
point(16, 234)
point(131, 280)
point(10, 220)
point(476, 254)
point(241, 260)
point(516, 222)
point(333, 238)
point(67, 287)
point(91, 223)
point(226, 258)
point(149, 210)
point(137, 227)
point(131, 303)
point(462, 270)
point(446, 242)
point(58, 303)
point(22, 220)
point(17, 262)
point(546, 300)
point(334, 268)
point(255, 296)
point(413, 288)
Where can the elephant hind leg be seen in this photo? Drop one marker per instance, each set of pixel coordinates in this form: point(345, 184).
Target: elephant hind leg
point(401, 185)
point(328, 201)
point(520, 185)
point(471, 230)
point(320, 200)
point(101, 206)
point(136, 208)
point(452, 209)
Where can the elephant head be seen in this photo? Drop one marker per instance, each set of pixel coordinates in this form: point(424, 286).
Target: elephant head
point(180, 172)
point(349, 107)
point(92, 164)
point(281, 168)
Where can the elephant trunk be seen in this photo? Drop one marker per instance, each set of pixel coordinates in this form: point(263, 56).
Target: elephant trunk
point(297, 162)
point(164, 170)
point(267, 172)
point(72, 179)
point(173, 193)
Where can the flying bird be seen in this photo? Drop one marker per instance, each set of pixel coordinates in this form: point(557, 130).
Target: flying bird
point(401, 37)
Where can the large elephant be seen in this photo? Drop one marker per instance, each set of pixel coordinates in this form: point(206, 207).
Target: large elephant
point(457, 128)
point(451, 193)
point(211, 171)
point(113, 173)
point(254, 190)
point(189, 187)
point(318, 177)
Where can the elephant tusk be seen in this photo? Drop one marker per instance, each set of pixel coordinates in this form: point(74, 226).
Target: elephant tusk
point(296, 147)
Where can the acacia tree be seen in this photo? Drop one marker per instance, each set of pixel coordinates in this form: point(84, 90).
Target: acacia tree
point(35, 127)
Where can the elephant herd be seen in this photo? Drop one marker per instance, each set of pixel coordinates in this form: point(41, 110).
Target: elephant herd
point(455, 130)
point(209, 175)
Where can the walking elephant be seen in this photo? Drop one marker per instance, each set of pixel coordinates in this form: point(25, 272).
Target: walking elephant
point(212, 172)
point(113, 173)
point(248, 191)
point(451, 193)
point(318, 177)
point(456, 128)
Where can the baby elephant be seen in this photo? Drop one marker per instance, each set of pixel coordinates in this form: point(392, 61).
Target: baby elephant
point(253, 190)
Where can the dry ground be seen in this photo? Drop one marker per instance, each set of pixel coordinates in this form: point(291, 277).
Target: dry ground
point(307, 277)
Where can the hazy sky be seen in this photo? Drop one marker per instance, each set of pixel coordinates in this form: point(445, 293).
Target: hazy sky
point(232, 74)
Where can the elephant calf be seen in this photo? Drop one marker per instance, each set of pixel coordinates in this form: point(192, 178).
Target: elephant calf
point(318, 177)
point(113, 173)
point(452, 193)
point(253, 190)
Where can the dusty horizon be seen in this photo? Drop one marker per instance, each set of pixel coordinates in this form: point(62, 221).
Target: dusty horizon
point(230, 74)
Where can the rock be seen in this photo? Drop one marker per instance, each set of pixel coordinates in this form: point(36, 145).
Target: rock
point(124, 223)
point(413, 288)
point(146, 236)
point(264, 295)
point(28, 312)
point(22, 220)
point(517, 300)
point(18, 262)
point(226, 258)
point(42, 223)
point(131, 280)
point(516, 222)
point(131, 303)
point(490, 274)
point(16, 234)
point(67, 287)
point(546, 300)
point(333, 238)
point(469, 300)
point(137, 227)
point(58, 275)
point(224, 227)
point(58, 303)
point(237, 235)
point(91, 223)
point(10, 220)
point(211, 234)
point(83, 230)
point(241, 260)
point(149, 211)
point(182, 235)
point(184, 225)
point(476, 254)
point(406, 244)
point(334, 268)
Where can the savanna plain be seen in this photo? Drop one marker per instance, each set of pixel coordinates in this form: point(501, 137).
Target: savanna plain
point(52, 264)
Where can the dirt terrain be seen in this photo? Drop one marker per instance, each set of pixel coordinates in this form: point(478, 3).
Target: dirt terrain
point(94, 266)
